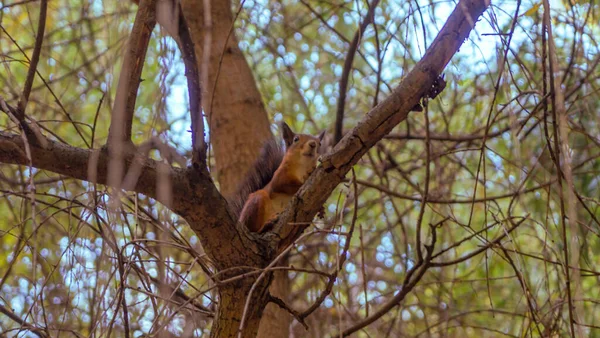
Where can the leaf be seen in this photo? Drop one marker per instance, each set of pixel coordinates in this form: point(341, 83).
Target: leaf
point(533, 10)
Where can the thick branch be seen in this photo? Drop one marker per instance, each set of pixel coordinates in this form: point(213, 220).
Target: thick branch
point(197, 199)
point(83, 164)
point(169, 15)
point(131, 72)
point(192, 74)
point(379, 121)
point(119, 133)
point(231, 101)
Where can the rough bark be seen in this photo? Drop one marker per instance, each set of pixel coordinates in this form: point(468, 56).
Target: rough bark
point(226, 242)
point(235, 111)
point(232, 298)
point(275, 320)
point(239, 121)
point(379, 121)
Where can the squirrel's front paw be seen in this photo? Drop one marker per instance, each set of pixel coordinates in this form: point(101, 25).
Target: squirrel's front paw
point(269, 225)
point(305, 177)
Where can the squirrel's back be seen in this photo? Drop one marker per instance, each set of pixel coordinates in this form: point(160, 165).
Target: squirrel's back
point(275, 178)
point(259, 175)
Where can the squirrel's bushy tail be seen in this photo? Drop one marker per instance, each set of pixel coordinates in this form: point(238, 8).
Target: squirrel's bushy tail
point(259, 175)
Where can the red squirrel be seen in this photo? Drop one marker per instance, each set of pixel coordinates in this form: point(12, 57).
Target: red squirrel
point(275, 178)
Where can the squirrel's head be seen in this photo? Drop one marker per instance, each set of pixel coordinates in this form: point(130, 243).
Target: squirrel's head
point(302, 144)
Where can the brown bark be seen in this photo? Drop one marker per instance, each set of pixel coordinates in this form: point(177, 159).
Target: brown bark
point(275, 320)
point(131, 73)
point(226, 242)
point(119, 133)
point(232, 299)
point(197, 198)
point(234, 108)
point(379, 121)
point(83, 164)
point(239, 121)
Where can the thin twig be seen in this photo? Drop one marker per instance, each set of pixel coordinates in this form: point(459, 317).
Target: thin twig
point(339, 119)
point(38, 332)
point(35, 58)
point(279, 302)
point(410, 281)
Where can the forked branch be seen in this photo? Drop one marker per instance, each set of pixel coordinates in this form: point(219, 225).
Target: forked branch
point(379, 121)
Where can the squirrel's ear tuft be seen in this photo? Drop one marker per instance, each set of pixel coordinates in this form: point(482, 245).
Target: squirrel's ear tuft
point(288, 134)
point(321, 135)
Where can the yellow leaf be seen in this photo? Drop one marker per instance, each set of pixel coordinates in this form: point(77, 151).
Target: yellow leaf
point(533, 9)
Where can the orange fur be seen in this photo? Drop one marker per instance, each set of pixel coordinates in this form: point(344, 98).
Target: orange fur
point(298, 163)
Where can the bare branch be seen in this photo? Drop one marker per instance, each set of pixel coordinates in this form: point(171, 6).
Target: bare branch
point(379, 121)
point(410, 281)
point(284, 306)
point(169, 15)
point(339, 120)
point(119, 134)
point(7, 312)
point(562, 160)
point(197, 198)
point(186, 44)
point(83, 164)
point(478, 251)
point(35, 58)
point(230, 92)
point(341, 259)
point(131, 71)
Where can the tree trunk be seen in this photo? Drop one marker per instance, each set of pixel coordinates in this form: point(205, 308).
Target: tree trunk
point(239, 121)
point(235, 111)
point(232, 300)
point(275, 320)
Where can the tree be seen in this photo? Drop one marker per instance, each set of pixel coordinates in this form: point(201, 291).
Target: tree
point(111, 230)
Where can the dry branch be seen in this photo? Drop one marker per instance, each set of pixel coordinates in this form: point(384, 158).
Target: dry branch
point(197, 200)
point(35, 58)
point(119, 133)
point(339, 119)
point(83, 164)
point(131, 72)
point(379, 121)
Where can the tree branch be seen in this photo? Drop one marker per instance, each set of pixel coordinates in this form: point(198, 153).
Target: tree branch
point(119, 134)
point(378, 122)
point(35, 58)
point(341, 259)
point(279, 302)
point(192, 74)
point(38, 331)
point(413, 276)
point(83, 164)
point(339, 120)
point(231, 101)
point(131, 71)
point(197, 199)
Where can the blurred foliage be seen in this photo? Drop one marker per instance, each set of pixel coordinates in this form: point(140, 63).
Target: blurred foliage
point(490, 168)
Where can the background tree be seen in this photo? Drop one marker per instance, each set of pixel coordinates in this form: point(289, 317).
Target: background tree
point(477, 216)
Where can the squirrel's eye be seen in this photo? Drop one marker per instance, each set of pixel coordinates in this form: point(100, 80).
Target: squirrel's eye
point(296, 139)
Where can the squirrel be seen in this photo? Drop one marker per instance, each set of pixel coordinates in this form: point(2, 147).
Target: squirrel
point(275, 178)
